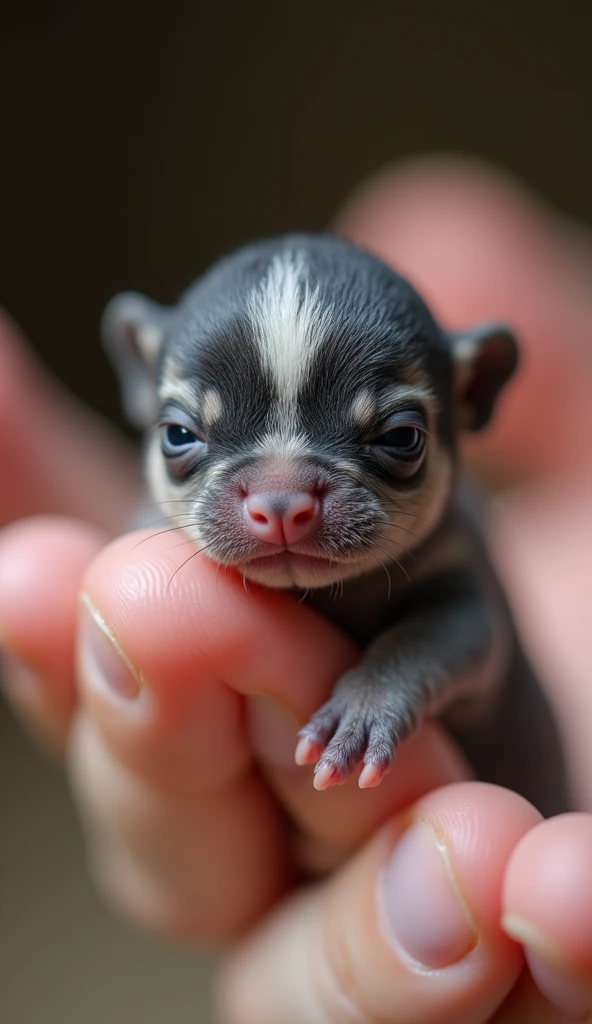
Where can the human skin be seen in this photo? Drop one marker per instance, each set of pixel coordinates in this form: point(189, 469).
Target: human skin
point(182, 765)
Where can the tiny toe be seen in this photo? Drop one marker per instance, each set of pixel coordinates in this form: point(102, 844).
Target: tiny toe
point(343, 753)
point(316, 734)
point(308, 751)
point(378, 760)
point(372, 775)
point(327, 775)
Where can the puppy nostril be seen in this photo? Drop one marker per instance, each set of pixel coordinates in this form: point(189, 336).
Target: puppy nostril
point(258, 517)
point(303, 517)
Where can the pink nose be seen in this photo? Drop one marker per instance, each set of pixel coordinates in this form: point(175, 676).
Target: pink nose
point(282, 518)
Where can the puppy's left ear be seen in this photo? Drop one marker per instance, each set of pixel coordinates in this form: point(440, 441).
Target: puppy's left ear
point(485, 357)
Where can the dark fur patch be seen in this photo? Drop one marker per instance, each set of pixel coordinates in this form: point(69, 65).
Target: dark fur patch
point(379, 328)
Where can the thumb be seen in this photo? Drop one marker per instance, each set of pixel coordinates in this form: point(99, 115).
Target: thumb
point(408, 931)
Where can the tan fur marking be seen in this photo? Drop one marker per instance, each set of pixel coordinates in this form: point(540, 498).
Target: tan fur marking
point(364, 408)
point(211, 409)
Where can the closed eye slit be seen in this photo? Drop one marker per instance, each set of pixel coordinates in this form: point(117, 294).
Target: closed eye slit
point(407, 442)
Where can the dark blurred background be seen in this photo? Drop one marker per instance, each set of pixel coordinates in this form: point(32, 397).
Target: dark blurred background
point(139, 142)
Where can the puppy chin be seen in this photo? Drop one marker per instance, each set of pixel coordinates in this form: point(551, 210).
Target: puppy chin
point(288, 570)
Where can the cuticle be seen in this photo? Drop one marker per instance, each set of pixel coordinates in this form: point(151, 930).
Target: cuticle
point(8, 650)
point(107, 630)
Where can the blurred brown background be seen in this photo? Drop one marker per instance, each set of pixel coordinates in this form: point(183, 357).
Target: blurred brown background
point(139, 142)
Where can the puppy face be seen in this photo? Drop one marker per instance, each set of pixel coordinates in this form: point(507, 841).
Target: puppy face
point(302, 411)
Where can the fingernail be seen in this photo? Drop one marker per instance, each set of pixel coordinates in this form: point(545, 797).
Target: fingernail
point(423, 904)
point(558, 982)
point(273, 730)
point(21, 684)
point(102, 661)
point(29, 695)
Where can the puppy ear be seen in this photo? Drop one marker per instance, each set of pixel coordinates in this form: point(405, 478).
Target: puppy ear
point(485, 357)
point(132, 330)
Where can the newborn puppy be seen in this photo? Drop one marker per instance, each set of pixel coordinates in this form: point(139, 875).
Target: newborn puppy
point(302, 410)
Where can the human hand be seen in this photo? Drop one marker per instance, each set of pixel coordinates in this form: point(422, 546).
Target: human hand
point(187, 833)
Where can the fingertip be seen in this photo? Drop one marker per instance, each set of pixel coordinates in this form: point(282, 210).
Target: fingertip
point(547, 909)
point(482, 824)
point(548, 891)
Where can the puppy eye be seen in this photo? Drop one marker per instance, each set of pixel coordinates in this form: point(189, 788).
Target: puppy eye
point(405, 442)
point(177, 440)
point(178, 436)
point(402, 445)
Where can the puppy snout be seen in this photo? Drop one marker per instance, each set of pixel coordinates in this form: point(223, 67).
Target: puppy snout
point(282, 518)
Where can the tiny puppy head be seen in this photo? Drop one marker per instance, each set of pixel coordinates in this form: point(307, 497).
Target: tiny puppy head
point(301, 407)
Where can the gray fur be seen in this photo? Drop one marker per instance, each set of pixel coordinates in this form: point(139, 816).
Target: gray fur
point(286, 361)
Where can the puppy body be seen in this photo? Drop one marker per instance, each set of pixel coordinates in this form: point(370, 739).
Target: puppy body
point(301, 409)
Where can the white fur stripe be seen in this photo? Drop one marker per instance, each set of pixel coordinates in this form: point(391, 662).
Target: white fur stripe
point(282, 443)
point(289, 323)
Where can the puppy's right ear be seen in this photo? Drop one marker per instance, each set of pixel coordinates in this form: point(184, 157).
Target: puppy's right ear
point(132, 330)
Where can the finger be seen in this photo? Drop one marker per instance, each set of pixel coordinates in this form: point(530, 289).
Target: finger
point(182, 642)
point(407, 931)
point(169, 645)
point(42, 562)
point(55, 456)
point(547, 906)
point(480, 246)
point(161, 760)
point(196, 865)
